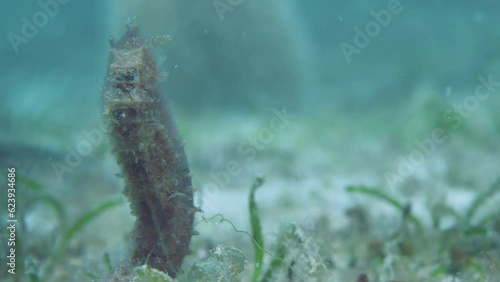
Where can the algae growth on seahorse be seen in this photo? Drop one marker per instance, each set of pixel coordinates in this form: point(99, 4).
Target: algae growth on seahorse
point(151, 155)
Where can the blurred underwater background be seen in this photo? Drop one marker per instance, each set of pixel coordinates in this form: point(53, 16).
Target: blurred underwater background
point(372, 128)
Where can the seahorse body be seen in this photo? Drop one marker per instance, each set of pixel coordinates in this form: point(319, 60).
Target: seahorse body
point(147, 146)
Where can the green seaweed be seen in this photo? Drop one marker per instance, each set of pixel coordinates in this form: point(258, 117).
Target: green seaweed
point(276, 262)
point(44, 197)
point(256, 229)
point(481, 199)
point(83, 221)
point(107, 262)
point(32, 269)
point(377, 193)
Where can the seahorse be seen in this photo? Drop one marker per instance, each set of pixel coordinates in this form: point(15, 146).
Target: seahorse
point(150, 153)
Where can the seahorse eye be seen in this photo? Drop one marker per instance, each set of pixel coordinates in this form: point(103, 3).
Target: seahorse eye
point(125, 113)
point(126, 121)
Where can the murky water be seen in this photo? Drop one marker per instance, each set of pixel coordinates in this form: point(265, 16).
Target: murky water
point(371, 128)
